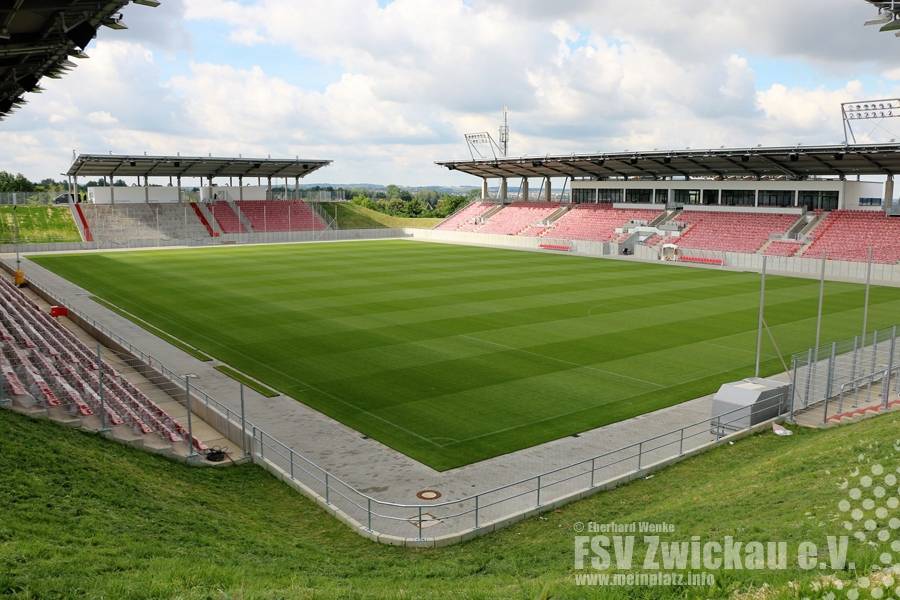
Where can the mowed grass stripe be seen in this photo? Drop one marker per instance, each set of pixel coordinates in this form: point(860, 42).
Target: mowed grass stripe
point(453, 354)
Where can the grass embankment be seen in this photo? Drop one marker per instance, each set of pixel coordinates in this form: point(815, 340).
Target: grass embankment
point(37, 224)
point(453, 354)
point(351, 216)
point(83, 517)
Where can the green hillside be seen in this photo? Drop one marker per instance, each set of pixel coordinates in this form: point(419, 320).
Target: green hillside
point(82, 517)
point(351, 216)
point(37, 224)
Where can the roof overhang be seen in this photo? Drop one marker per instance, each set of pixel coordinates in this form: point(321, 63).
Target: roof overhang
point(795, 162)
point(124, 165)
point(37, 37)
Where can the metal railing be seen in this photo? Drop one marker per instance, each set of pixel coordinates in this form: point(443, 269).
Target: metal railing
point(396, 520)
point(828, 375)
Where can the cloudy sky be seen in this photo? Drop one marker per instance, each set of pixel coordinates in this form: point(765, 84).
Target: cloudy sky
point(386, 88)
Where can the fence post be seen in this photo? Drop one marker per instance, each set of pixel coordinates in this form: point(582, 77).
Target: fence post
point(476, 510)
point(539, 491)
point(187, 394)
point(369, 509)
point(809, 359)
point(681, 442)
point(640, 451)
point(874, 366)
point(291, 458)
point(887, 383)
point(593, 461)
point(829, 383)
point(793, 385)
point(252, 440)
point(855, 352)
point(243, 423)
point(327, 489)
point(420, 521)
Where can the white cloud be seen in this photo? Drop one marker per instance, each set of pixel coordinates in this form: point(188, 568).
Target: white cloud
point(414, 75)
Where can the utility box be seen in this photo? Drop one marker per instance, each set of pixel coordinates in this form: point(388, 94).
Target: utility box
point(741, 404)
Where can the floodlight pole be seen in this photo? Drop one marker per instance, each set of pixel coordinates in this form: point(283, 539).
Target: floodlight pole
point(865, 322)
point(762, 305)
point(821, 302)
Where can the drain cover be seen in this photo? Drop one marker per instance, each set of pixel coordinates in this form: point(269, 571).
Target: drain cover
point(428, 495)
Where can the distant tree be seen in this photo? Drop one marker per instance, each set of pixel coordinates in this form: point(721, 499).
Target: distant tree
point(14, 183)
point(449, 204)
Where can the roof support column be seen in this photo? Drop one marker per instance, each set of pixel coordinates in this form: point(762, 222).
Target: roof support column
point(797, 197)
point(504, 196)
point(719, 201)
point(296, 187)
point(756, 197)
point(178, 180)
point(209, 195)
point(484, 188)
point(112, 189)
point(240, 187)
point(75, 181)
point(548, 189)
point(269, 188)
point(146, 190)
point(887, 201)
point(523, 189)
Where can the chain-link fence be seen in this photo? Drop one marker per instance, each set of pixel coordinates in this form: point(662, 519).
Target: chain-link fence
point(847, 375)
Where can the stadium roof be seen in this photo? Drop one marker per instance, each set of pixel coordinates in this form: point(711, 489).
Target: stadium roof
point(124, 165)
point(37, 37)
point(795, 162)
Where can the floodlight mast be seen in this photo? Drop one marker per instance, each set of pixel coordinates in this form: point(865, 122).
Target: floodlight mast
point(867, 110)
point(482, 145)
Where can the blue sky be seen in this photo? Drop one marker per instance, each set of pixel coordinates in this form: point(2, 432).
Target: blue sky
point(386, 88)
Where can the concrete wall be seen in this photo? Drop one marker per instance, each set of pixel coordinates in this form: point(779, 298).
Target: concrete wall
point(132, 195)
point(227, 192)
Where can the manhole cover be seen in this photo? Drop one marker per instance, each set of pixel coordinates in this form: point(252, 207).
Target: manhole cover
point(428, 495)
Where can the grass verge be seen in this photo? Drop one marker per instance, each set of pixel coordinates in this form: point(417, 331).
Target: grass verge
point(84, 517)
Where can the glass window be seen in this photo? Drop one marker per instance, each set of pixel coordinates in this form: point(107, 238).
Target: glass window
point(780, 198)
point(738, 197)
point(870, 201)
point(639, 196)
point(581, 195)
point(687, 196)
point(816, 200)
point(710, 196)
point(608, 196)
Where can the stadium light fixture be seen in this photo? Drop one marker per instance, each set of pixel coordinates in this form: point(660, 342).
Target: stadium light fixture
point(150, 3)
point(5, 34)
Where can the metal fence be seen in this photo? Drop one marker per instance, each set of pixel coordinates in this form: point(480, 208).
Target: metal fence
point(427, 523)
point(847, 374)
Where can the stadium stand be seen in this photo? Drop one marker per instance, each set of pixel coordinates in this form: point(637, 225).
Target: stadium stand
point(118, 222)
point(848, 234)
point(281, 215)
point(596, 222)
point(228, 221)
point(730, 231)
point(465, 215)
point(514, 218)
point(46, 366)
point(782, 248)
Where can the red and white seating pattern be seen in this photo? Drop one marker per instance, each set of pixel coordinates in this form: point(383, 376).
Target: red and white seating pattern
point(228, 221)
point(280, 215)
point(848, 234)
point(43, 362)
point(514, 218)
point(730, 231)
point(596, 222)
point(783, 248)
point(465, 215)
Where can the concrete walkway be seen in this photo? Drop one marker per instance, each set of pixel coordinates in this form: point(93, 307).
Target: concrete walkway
point(390, 476)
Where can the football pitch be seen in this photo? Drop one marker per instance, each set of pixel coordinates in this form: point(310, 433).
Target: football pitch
point(453, 354)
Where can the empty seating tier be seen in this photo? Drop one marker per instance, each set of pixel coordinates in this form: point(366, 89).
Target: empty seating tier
point(730, 231)
point(228, 221)
point(783, 248)
point(518, 216)
point(140, 221)
point(848, 234)
point(596, 222)
point(465, 215)
point(44, 365)
point(280, 215)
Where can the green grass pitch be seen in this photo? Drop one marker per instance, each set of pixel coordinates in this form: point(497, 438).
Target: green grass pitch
point(453, 354)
